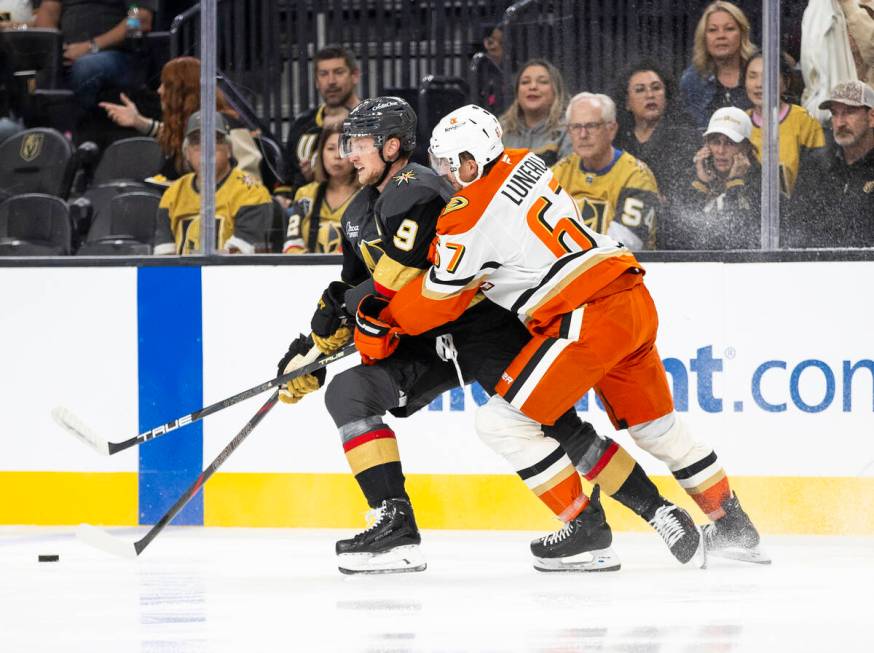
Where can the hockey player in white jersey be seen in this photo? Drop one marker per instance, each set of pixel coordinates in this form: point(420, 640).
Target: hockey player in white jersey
point(511, 232)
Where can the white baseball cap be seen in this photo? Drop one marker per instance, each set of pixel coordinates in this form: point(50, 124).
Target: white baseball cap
point(732, 122)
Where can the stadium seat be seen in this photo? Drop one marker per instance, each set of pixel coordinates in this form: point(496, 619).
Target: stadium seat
point(35, 53)
point(129, 159)
point(34, 225)
point(126, 228)
point(37, 161)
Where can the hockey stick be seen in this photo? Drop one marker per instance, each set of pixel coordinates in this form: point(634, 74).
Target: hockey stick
point(68, 420)
point(102, 540)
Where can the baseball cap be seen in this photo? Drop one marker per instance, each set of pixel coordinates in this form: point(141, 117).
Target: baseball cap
point(193, 124)
point(854, 94)
point(732, 122)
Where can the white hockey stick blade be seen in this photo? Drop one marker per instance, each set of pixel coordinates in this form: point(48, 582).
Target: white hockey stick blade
point(100, 539)
point(68, 420)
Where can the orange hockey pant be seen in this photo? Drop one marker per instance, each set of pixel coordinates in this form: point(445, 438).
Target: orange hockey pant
point(607, 344)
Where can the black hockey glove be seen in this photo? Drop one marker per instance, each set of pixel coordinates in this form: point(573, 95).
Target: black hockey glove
point(297, 388)
point(330, 314)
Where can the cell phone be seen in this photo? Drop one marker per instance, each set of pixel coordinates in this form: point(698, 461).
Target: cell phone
point(709, 167)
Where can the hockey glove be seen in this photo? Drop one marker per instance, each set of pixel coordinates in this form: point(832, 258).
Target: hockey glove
point(295, 357)
point(330, 314)
point(376, 337)
point(333, 342)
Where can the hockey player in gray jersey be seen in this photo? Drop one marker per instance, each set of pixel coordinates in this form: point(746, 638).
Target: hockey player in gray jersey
point(387, 233)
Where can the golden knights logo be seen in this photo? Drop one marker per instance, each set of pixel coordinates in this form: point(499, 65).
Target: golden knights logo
point(31, 147)
point(404, 177)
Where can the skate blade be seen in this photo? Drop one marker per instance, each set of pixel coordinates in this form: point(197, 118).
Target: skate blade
point(756, 555)
point(402, 559)
point(600, 560)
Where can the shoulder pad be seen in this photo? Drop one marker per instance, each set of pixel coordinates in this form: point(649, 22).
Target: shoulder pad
point(411, 185)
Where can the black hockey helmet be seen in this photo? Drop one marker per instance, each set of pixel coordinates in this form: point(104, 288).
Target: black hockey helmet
point(382, 118)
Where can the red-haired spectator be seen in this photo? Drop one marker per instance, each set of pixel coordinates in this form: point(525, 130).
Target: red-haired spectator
point(180, 97)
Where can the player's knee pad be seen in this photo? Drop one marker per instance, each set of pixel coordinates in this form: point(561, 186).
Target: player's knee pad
point(359, 392)
point(669, 439)
point(513, 435)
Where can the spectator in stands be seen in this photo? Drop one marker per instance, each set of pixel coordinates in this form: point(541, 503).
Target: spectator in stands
point(800, 133)
point(95, 46)
point(486, 66)
point(652, 128)
point(720, 208)
point(860, 27)
point(833, 205)
point(243, 208)
point(534, 119)
point(720, 52)
point(616, 193)
point(180, 97)
point(337, 74)
point(314, 218)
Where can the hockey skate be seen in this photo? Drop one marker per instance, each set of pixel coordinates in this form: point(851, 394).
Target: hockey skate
point(390, 545)
point(734, 536)
point(582, 545)
point(676, 528)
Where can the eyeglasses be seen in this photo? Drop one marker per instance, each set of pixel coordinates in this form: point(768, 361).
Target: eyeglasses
point(578, 127)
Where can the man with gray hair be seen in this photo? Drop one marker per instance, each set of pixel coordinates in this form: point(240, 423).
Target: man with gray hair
point(616, 193)
point(835, 203)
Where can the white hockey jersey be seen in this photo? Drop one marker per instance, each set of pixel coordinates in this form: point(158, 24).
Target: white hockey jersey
point(516, 236)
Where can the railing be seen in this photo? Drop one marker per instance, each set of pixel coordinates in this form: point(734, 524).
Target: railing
point(266, 46)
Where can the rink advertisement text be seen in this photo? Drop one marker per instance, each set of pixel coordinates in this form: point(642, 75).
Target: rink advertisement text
point(805, 385)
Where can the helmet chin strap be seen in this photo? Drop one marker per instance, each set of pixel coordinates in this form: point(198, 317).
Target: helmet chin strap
point(465, 184)
point(385, 169)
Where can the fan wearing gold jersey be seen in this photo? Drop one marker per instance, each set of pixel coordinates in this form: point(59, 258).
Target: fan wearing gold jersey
point(314, 217)
point(615, 192)
point(800, 134)
point(243, 208)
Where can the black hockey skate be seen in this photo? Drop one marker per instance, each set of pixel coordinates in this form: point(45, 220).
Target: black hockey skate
point(582, 545)
point(678, 530)
point(389, 545)
point(734, 536)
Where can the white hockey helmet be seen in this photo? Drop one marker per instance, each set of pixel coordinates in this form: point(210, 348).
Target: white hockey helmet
point(469, 129)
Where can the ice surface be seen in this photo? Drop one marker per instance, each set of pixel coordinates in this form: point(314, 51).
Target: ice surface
point(243, 590)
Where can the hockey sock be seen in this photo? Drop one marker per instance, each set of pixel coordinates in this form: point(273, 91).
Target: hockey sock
point(555, 482)
point(705, 481)
point(612, 467)
point(375, 461)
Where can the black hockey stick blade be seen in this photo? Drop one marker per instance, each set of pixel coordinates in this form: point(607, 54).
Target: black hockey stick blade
point(70, 422)
point(100, 539)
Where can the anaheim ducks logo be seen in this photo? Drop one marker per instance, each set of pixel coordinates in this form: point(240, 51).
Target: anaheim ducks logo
point(404, 177)
point(455, 203)
point(31, 146)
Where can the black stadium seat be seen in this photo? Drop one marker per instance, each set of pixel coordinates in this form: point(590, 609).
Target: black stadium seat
point(127, 227)
point(130, 158)
point(34, 225)
point(36, 161)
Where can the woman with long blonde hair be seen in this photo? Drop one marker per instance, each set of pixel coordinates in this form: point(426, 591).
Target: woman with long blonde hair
point(535, 120)
point(180, 97)
point(721, 50)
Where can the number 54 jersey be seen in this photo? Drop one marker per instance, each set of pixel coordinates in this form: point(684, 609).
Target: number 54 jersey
point(515, 235)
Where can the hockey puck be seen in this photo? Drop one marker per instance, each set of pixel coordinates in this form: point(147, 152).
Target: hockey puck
point(43, 557)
